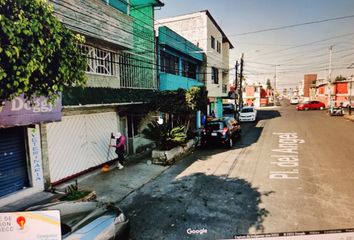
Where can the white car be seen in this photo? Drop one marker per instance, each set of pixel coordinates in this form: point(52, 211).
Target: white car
point(248, 114)
point(294, 100)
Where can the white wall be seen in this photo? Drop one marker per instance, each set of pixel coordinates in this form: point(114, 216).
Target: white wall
point(198, 29)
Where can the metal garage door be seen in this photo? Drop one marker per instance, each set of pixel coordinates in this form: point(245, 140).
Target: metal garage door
point(78, 143)
point(13, 165)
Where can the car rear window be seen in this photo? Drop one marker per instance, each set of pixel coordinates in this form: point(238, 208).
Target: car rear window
point(214, 126)
point(246, 110)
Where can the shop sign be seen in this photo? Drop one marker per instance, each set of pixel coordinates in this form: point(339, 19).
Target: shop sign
point(20, 112)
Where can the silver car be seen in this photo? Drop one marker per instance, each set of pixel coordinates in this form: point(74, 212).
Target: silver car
point(89, 220)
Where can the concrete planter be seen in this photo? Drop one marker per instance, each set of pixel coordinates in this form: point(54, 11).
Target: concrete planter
point(169, 157)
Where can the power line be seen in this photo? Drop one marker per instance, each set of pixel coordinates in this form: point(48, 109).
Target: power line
point(307, 44)
point(293, 25)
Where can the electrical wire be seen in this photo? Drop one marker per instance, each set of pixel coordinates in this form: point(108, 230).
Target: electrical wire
point(293, 25)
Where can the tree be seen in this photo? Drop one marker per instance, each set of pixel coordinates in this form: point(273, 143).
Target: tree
point(197, 98)
point(38, 55)
point(181, 103)
point(340, 78)
point(269, 86)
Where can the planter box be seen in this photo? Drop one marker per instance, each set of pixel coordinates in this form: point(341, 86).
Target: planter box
point(169, 157)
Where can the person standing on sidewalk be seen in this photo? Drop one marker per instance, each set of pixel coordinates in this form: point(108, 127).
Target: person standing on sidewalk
point(120, 148)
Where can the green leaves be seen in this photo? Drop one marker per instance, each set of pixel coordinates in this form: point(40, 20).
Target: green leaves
point(38, 56)
point(164, 137)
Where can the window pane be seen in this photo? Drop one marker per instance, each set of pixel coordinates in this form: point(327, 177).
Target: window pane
point(189, 69)
point(215, 75)
point(169, 63)
point(212, 42)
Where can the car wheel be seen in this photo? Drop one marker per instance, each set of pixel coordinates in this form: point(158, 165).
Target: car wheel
point(306, 109)
point(321, 108)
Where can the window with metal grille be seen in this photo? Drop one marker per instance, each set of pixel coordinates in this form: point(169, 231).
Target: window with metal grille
point(189, 69)
point(215, 75)
point(169, 63)
point(99, 61)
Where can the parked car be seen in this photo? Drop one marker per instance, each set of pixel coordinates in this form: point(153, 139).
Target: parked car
point(221, 131)
point(294, 100)
point(89, 220)
point(248, 114)
point(228, 108)
point(311, 105)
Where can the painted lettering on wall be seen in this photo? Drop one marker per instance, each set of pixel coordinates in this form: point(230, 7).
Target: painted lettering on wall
point(35, 154)
point(19, 112)
point(38, 105)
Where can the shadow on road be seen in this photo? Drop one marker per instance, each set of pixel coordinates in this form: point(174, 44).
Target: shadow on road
point(224, 207)
point(267, 114)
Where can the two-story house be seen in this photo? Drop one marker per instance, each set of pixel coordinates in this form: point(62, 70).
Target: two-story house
point(181, 63)
point(202, 30)
point(120, 51)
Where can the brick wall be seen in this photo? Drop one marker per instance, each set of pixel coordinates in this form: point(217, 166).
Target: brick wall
point(308, 79)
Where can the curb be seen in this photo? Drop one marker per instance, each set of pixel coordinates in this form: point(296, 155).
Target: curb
point(157, 175)
point(349, 117)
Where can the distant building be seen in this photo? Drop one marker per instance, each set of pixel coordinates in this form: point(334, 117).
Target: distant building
point(252, 95)
point(307, 82)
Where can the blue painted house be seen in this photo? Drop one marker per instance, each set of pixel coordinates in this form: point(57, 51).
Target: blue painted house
point(180, 61)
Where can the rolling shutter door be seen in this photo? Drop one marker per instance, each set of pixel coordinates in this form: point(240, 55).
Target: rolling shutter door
point(13, 166)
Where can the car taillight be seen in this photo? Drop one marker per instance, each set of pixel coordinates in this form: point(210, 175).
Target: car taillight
point(224, 131)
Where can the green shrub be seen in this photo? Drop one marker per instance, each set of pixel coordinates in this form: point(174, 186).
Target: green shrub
point(165, 138)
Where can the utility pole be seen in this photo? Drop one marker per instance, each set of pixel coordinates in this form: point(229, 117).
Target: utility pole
point(241, 78)
point(236, 94)
point(350, 97)
point(329, 85)
point(275, 81)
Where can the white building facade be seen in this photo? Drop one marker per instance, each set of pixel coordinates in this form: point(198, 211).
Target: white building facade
point(202, 30)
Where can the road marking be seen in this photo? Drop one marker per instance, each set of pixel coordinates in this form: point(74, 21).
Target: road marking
point(287, 157)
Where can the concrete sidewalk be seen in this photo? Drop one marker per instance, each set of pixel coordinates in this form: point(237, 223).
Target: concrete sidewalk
point(111, 186)
point(349, 117)
point(115, 185)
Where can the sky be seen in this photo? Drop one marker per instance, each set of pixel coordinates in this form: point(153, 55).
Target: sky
point(285, 54)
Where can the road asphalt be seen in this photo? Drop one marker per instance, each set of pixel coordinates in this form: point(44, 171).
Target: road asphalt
point(112, 186)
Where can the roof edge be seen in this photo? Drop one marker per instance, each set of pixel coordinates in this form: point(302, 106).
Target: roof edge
point(225, 38)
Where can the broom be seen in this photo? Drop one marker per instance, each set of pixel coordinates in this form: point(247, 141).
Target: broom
point(105, 167)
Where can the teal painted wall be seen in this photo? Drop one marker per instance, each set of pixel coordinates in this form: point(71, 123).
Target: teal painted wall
point(174, 40)
point(145, 74)
point(219, 107)
point(174, 44)
point(173, 82)
point(121, 5)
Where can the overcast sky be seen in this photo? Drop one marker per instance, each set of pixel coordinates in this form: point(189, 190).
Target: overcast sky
point(296, 50)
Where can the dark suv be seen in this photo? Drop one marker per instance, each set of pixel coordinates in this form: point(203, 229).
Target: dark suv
point(221, 130)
